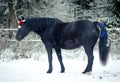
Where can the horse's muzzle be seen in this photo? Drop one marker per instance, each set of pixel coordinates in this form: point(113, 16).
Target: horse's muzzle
point(18, 37)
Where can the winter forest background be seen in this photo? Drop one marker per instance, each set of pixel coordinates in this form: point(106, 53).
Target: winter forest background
point(66, 10)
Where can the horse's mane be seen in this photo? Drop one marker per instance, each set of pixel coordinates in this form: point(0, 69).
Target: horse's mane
point(41, 22)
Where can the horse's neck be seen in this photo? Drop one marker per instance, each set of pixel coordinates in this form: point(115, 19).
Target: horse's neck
point(42, 25)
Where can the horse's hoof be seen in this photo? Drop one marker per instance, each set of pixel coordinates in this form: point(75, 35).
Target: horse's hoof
point(62, 71)
point(87, 73)
point(49, 71)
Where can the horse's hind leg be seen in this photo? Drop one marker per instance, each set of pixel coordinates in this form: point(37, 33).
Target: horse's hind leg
point(89, 52)
point(58, 52)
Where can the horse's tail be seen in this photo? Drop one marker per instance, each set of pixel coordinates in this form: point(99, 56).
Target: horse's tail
point(104, 47)
point(104, 44)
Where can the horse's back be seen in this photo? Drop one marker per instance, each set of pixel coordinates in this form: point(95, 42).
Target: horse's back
point(85, 25)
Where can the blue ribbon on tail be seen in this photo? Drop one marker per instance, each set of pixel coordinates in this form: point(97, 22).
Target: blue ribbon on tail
point(103, 33)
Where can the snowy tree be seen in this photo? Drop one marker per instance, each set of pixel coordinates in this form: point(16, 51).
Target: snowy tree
point(12, 13)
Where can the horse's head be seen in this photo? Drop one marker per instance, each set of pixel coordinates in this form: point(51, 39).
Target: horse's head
point(23, 29)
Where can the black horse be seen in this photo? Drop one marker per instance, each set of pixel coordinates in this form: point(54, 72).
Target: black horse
point(57, 34)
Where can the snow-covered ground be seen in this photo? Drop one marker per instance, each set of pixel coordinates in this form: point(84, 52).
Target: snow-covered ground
point(30, 70)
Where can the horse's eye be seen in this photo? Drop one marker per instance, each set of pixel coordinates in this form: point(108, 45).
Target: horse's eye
point(19, 26)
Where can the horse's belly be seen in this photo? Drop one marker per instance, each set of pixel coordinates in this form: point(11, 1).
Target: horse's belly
point(70, 44)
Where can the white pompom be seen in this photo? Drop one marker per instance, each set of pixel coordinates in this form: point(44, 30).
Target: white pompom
point(23, 20)
point(19, 26)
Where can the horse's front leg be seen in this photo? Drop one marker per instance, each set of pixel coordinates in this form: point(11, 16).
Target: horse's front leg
point(59, 55)
point(49, 52)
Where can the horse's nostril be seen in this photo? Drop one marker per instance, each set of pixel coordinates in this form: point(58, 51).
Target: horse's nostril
point(18, 37)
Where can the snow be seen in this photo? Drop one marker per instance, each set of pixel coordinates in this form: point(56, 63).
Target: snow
point(30, 70)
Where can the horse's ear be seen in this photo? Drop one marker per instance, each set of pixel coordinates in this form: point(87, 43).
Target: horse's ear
point(23, 19)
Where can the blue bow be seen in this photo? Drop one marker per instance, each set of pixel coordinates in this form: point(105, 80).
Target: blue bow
point(102, 34)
